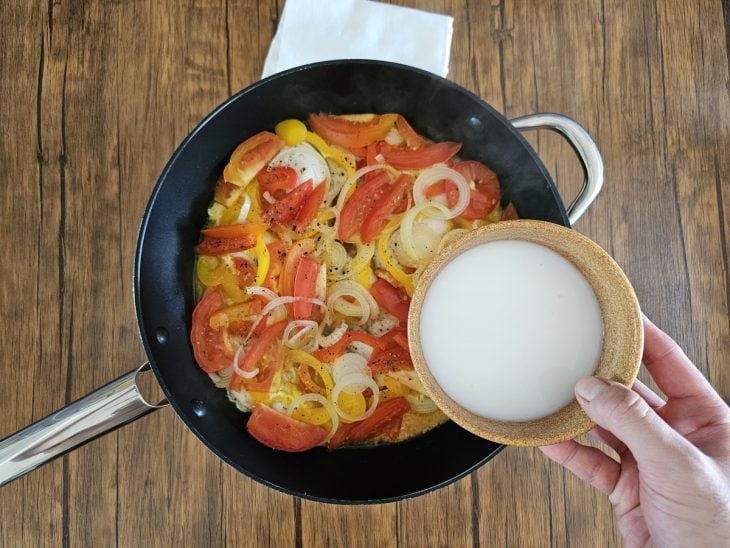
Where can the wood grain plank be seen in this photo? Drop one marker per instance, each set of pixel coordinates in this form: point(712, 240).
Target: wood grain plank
point(92, 261)
point(33, 368)
point(694, 60)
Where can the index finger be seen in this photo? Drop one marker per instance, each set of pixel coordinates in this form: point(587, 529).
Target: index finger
point(670, 367)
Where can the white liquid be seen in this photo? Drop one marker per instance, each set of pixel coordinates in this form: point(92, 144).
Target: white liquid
point(508, 327)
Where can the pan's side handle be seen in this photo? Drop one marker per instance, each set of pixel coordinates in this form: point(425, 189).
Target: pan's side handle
point(105, 409)
point(584, 146)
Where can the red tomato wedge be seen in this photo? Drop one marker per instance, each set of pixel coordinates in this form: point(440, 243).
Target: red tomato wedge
point(251, 156)
point(352, 134)
point(358, 206)
point(304, 284)
point(285, 210)
point(310, 208)
point(386, 420)
point(245, 270)
point(331, 353)
point(266, 354)
point(487, 194)
point(208, 344)
point(413, 139)
point(277, 181)
point(289, 270)
point(278, 431)
point(219, 240)
point(394, 300)
point(420, 158)
point(384, 207)
point(392, 359)
point(398, 336)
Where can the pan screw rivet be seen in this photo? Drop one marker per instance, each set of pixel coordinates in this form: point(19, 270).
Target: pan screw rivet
point(161, 335)
point(476, 123)
point(198, 407)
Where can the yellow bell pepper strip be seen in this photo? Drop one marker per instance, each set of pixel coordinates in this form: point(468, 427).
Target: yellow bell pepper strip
point(292, 131)
point(255, 211)
point(364, 276)
point(390, 263)
point(352, 404)
point(392, 388)
point(212, 271)
point(263, 260)
point(312, 414)
point(340, 157)
point(303, 358)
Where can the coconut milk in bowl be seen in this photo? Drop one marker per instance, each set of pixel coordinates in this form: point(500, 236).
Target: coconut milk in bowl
point(509, 317)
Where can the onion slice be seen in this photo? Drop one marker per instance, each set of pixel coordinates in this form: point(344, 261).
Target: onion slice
point(240, 372)
point(364, 306)
point(412, 234)
point(361, 382)
point(318, 398)
point(280, 301)
point(260, 291)
point(245, 208)
point(421, 403)
point(296, 332)
point(332, 338)
point(348, 364)
point(438, 173)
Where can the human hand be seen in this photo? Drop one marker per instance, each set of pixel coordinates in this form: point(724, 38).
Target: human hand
point(671, 485)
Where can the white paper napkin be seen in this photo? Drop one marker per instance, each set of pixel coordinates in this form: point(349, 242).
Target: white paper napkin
point(323, 30)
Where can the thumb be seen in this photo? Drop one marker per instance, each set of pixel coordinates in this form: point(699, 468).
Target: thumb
point(624, 413)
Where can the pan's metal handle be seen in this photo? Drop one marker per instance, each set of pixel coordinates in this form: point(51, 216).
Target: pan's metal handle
point(584, 146)
point(105, 409)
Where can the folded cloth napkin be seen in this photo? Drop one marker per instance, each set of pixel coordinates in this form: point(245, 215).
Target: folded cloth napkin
point(323, 30)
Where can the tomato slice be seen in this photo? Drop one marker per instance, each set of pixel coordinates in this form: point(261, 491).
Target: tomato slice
point(413, 139)
point(392, 359)
point(266, 354)
point(384, 207)
point(386, 420)
point(398, 336)
point(277, 181)
point(310, 208)
point(352, 134)
point(297, 250)
point(251, 156)
point(360, 204)
point(331, 353)
point(285, 210)
point(394, 300)
point(219, 240)
point(487, 194)
point(208, 343)
point(304, 284)
point(279, 431)
point(422, 157)
point(245, 270)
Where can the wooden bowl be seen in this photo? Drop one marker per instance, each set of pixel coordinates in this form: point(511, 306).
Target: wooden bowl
point(623, 334)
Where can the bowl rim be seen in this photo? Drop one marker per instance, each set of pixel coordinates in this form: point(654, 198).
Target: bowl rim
point(623, 338)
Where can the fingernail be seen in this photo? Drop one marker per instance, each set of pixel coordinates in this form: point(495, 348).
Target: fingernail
point(589, 387)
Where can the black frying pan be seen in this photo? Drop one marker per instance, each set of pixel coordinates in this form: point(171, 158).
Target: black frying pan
point(163, 280)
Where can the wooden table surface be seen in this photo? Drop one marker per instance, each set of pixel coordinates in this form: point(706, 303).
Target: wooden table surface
point(96, 95)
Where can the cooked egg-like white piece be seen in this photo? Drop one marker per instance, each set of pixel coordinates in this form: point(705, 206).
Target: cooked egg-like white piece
point(306, 161)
